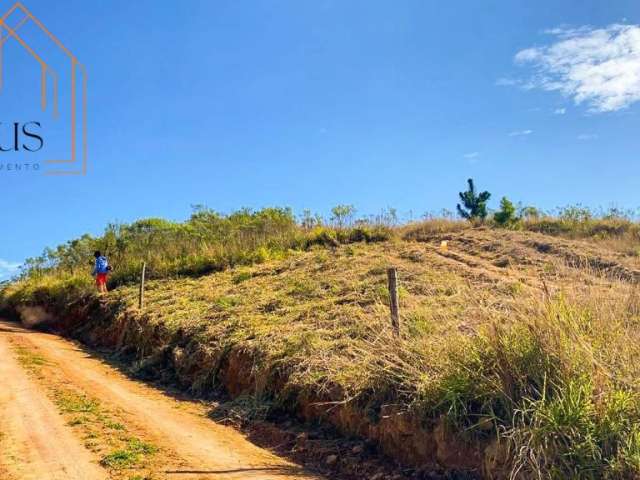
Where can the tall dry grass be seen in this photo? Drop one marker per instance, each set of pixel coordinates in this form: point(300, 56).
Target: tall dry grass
point(555, 381)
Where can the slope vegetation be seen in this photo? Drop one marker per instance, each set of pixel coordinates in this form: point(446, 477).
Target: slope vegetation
point(517, 354)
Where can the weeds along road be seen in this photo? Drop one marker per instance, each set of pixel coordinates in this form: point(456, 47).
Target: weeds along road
point(67, 415)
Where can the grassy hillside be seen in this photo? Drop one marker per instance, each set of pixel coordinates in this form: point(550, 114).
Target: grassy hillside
point(517, 355)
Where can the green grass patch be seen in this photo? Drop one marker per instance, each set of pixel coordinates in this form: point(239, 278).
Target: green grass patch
point(29, 359)
point(132, 455)
point(71, 402)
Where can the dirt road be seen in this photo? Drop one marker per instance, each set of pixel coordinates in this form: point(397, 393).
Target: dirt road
point(63, 413)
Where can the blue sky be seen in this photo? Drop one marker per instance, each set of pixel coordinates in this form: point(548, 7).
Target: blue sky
point(309, 104)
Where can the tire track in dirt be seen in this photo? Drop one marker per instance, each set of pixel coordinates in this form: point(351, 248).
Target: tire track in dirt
point(471, 268)
point(36, 444)
point(533, 254)
point(206, 450)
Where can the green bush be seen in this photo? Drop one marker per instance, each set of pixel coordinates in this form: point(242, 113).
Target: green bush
point(207, 242)
point(506, 216)
point(327, 237)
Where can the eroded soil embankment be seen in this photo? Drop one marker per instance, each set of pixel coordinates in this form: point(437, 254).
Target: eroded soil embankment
point(181, 358)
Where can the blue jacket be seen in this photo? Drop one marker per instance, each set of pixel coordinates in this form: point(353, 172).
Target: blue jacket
point(101, 265)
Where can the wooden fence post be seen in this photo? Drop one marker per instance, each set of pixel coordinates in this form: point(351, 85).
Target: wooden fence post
point(141, 297)
point(392, 277)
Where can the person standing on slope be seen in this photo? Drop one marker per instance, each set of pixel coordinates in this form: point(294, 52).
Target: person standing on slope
point(100, 271)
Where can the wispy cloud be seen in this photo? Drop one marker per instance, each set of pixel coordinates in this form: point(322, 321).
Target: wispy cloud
point(7, 269)
point(472, 157)
point(560, 111)
point(507, 82)
point(520, 133)
point(599, 67)
point(587, 136)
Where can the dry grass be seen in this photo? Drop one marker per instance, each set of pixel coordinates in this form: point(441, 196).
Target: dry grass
point(516, 336)
point(535, 348)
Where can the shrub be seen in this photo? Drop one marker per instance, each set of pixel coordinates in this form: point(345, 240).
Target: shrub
point(324, 236)
point(342, 215)
point(365, 233)
point(529, 213)
point(506, 216)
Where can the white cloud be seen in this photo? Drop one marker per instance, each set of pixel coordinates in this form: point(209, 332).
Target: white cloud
point(567, 31)
point(528, 55)
point(472, 157)
point(8, 269)
point(599, 67)
point(560, 111)
point(506, 82)
point(520, 133)
point(587, 136)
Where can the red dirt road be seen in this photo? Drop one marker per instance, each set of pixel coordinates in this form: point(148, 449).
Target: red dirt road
point(36, 442)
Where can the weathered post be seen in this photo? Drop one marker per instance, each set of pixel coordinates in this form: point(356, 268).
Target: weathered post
point(141, 297)
point(392, 277)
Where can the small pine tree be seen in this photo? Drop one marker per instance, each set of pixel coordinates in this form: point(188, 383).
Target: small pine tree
point(474, 206)
point(506, 216)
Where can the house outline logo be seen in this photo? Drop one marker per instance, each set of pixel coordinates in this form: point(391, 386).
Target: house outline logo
point(78, 161)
